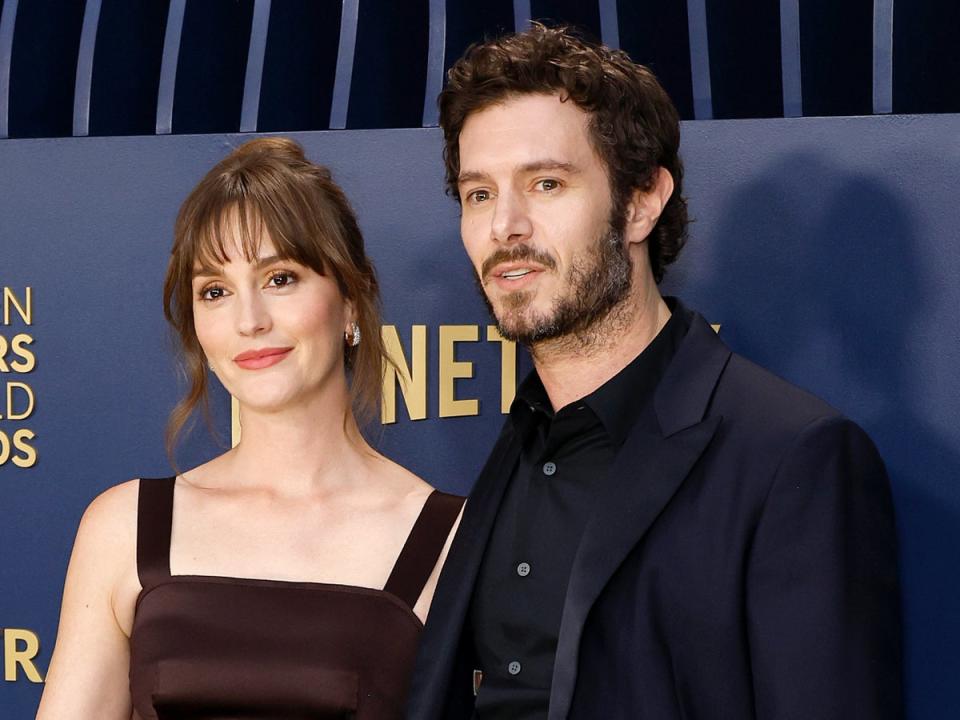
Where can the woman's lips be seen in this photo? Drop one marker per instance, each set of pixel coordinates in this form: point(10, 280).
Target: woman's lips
point(265, 357)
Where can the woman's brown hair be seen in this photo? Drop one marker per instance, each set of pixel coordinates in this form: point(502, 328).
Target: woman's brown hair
point(270, 187)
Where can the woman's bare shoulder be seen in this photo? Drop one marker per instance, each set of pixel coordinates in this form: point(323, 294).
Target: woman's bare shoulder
point(112, 511)
point(106, 542)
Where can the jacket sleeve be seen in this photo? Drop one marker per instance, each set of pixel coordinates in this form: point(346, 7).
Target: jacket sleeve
point(823, 602)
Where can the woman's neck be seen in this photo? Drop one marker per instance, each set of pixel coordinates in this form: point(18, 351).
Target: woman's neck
point(305, 449)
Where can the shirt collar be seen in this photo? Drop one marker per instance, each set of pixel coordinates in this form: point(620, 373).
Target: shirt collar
point(620, 401)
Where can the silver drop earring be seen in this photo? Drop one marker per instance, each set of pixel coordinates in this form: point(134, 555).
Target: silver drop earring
point(353, 336)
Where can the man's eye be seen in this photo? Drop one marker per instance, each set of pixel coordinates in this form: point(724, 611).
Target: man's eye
point(281, 278)
point(548, 184)
point(478, 196)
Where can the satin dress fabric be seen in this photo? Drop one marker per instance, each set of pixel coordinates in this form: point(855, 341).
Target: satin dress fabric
point(213, 648)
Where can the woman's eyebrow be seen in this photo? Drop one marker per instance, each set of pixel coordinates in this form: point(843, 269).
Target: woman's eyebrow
point(205, 270)
point(268, 260)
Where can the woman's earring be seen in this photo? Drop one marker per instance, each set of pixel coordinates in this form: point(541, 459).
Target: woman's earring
point(352, 336)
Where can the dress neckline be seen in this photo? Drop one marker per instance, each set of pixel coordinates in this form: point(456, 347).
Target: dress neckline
point(410, 572)
point(293, 585)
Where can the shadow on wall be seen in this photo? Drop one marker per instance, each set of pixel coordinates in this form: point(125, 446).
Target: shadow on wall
point(816, 275)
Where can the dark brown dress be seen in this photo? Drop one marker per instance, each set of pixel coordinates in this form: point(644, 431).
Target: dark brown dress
point(218, 647)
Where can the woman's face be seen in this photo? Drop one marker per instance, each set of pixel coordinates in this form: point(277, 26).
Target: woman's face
point(272, 329)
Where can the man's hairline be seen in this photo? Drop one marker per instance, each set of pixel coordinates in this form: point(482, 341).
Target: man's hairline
point(562, 95)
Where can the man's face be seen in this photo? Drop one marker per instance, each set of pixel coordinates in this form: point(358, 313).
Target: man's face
point(536, 220)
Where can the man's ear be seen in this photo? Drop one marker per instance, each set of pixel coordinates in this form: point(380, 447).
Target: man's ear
point(645, 206)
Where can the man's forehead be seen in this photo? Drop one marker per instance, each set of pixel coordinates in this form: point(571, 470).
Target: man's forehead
point(529, 112)
point(529, 133)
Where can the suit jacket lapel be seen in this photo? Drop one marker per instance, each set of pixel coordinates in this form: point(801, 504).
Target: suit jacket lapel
point(643, 478)
point(448, 613)
point(639, 487)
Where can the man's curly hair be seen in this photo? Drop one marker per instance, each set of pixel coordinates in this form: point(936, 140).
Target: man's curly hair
point(634, 126)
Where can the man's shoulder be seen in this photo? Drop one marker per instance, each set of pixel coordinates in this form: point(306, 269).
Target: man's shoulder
point(766, 419)
point(752, 396)
point(745, 394)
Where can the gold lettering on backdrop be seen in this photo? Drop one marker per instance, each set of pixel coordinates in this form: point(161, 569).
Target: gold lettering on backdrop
point(508, 367)
point(28, 359)
point(23, 307)
point(11, 409)
point(20, 647)
point(28, 456)
point(16, 348)
point(411, 377)
point(17, 402)
point(451, 369)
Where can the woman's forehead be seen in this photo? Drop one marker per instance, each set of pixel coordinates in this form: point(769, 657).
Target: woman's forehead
point(231, 239)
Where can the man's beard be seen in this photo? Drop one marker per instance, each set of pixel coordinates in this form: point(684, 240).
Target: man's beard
point(595, 284)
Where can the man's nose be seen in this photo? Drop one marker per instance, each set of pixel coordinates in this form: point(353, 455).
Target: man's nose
point(511, 221)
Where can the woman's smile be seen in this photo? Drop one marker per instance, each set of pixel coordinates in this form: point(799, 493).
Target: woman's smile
point(261, 358)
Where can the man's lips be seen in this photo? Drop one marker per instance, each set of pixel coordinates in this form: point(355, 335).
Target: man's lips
point(261, 358)
point(513, 276)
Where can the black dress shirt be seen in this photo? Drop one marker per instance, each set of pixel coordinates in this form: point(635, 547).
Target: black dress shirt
point(518, 601)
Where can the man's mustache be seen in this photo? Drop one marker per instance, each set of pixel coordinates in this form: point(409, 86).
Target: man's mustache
point(517, 254)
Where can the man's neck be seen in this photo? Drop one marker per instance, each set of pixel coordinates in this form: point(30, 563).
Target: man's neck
point(572, 367)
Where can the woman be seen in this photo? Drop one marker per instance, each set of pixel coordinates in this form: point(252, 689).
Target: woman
point(290, 576)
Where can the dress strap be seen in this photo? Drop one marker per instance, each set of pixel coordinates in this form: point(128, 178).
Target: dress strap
point(154, 522)
point(423, 547)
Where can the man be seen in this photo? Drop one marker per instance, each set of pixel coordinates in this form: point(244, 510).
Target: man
point(663, 529)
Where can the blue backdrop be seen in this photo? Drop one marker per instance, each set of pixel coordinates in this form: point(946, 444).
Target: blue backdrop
point(825, 247)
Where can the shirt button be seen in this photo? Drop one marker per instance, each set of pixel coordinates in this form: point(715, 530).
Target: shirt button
point(549, 468)
point(513, 668)
point(523, 569)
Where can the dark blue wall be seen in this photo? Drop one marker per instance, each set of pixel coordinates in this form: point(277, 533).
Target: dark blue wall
point(825, 247)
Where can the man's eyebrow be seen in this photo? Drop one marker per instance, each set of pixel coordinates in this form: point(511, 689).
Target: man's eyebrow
point(541, 165)
point(534, 166)
point(471, 176)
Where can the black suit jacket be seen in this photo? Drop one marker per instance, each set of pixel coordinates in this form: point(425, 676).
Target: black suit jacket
point(740, 563)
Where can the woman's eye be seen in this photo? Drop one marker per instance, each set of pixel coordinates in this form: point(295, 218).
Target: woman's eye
point(282, 278)
point(214, 292)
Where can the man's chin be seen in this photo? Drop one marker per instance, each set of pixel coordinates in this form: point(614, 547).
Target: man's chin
point(519, 327)
point(517, 319)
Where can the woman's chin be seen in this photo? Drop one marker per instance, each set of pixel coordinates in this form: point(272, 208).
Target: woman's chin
point(269, 403)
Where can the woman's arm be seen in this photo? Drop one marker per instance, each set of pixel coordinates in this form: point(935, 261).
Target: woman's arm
point(88, 675)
